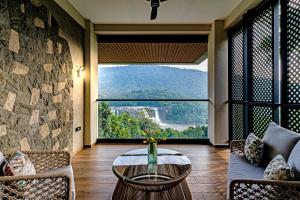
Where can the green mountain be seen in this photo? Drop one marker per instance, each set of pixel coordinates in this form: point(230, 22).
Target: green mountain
point(152, 82)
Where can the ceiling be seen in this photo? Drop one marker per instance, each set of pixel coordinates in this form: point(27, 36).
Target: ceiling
point(169, 12)
point(133, 53)
point(152, 49)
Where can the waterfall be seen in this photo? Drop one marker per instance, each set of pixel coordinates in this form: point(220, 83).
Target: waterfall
point(156, 116)
point(147, 112)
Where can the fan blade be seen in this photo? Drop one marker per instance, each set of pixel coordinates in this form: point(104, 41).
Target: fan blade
point(154, 13)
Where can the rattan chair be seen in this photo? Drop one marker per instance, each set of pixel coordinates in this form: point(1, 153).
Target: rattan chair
point(44, 185)
point(260, 188)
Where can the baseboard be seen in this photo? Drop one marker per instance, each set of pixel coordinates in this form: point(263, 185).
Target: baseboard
point(86, 146)
point(140, 141)
point(221, 146)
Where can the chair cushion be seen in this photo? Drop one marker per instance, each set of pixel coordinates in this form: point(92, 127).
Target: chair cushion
point(68, 171)
point(2, 164)
point(254, 149)
point(278, 140)
point(294, 161)
point(19, 165)
point(240, 168)
point(278, 169)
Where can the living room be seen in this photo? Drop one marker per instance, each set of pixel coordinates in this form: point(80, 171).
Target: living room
point(149, 99)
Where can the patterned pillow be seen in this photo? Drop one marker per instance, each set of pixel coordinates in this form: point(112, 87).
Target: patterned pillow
point(278, 169)
point(19, 165)
point(2, 163)
point(253, 149)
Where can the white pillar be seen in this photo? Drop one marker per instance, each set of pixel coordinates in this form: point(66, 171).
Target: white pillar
point(218, 84)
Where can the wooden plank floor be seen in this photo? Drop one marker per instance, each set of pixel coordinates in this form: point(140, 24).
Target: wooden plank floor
point(95, 179)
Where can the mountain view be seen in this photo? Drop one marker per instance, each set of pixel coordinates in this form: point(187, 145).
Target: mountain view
point(151, 82)
point(175, 119)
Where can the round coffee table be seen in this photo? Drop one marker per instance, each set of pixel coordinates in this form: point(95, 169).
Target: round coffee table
point(139, 180)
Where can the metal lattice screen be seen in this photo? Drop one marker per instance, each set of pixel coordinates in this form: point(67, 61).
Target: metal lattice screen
point(251, 55)
point(262, 56)
point(261, 117)
point(292, 79)
point(236, 83)
point(237, 65)
point(293, 119)
point(293, 51)
point(237, 122)
point(270, 49)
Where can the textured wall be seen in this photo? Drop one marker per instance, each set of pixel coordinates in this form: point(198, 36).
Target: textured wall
point(36, 76)
point(74, 34)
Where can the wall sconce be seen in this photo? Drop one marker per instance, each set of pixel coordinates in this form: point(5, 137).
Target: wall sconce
point(80, 72)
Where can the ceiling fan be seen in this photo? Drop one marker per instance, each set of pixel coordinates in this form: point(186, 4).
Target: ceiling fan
point(155, 5)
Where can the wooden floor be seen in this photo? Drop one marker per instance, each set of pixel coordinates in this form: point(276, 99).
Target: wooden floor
point(95, 180)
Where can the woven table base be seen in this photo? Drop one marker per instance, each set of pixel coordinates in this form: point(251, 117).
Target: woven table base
point(125, 192)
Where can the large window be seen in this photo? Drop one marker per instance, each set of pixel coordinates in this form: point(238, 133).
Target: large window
point(171, 98)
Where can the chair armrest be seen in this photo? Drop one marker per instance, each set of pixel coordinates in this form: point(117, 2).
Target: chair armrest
point(48, 160)
point(237, 146)
point(264, 189)
point(35, 187)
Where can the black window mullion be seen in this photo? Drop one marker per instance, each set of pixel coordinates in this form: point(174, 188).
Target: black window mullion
point(247, 74)
point(230, 109)
point(283, 55)
point(276, 63)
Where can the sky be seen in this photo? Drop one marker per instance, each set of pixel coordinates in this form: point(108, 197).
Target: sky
point(201, 67)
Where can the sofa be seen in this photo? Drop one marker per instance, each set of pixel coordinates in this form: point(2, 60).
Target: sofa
point(54, 179)
point(246, 181)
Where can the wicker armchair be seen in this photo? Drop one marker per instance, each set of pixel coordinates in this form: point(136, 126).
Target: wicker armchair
point(43, 185)
point(260, 188)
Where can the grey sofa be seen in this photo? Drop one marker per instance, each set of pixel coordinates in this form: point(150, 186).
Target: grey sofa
point(245, 181)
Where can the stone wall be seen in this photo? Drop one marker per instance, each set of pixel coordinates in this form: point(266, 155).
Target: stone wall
point(36, 81)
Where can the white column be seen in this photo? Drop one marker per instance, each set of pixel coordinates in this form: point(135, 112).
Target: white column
point(218, 84)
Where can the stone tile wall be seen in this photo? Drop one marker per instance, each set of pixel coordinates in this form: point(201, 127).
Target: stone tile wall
point(36, 107)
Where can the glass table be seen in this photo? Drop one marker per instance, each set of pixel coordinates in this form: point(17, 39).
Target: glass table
point(139, 180)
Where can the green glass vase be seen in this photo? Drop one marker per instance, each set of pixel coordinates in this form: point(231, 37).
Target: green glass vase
point(152, 153)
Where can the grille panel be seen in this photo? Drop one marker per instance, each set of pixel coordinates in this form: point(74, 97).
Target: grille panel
point(261, 118)
point(237, 122)
point(293, 51)
point(262, 56)
point(237, 65)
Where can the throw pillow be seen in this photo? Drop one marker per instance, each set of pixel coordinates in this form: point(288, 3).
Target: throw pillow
point(253, 149)
point(294, 161)
point(278, 169)
point(278, 140)
point(2, 163)
point(19, 165)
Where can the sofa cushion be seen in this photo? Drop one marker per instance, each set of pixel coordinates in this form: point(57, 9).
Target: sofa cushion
point(254, 149)
point(240, 168)
point(2, 163)
point(294, 161)
point(278, 140)
point(19, 165)
point(278, 169)
point(68, 171)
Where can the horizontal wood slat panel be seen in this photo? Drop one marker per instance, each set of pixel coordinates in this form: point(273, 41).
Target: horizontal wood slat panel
point(148, 52)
